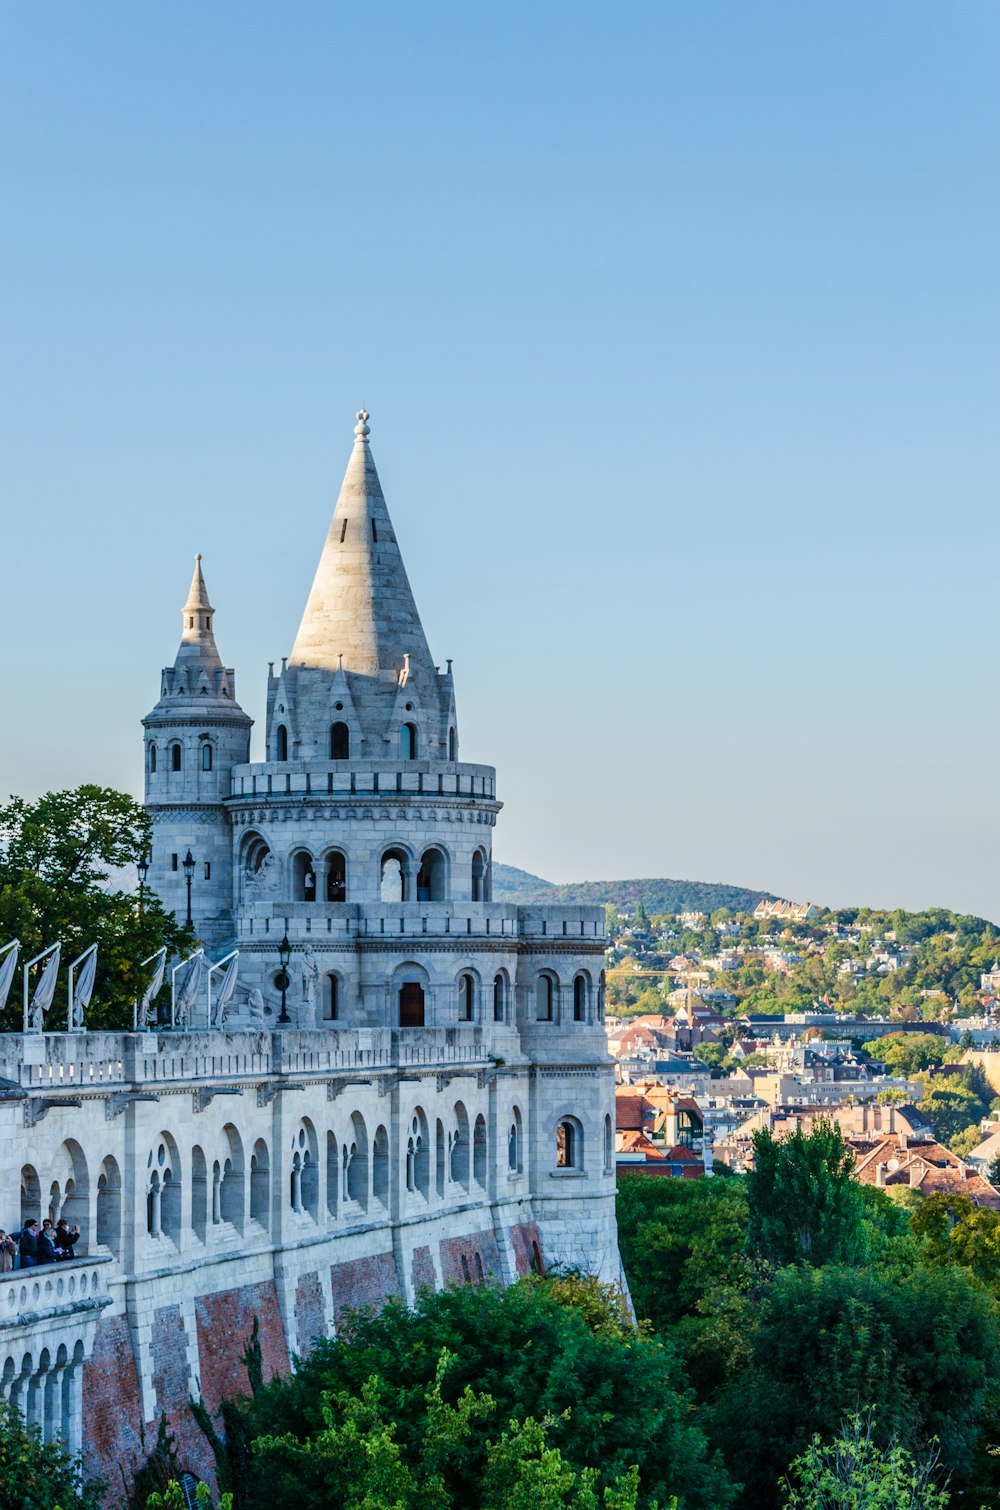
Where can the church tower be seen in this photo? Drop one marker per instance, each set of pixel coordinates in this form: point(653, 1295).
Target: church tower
point(194, 736)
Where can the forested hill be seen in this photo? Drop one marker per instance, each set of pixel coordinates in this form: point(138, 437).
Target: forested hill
point(657, 896)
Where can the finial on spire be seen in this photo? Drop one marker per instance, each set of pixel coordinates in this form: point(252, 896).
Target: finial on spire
point(197, 555)
point(361, 429)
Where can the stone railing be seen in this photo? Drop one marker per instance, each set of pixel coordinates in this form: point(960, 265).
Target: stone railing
point(346, 779)
point(28, 1295)
point(316, 922)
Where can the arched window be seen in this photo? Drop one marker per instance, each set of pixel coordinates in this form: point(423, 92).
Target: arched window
point(500, 998)
point(332, 1176)
point(395, 876)
point(580, 999)
point(609, 1146)
point(109, 1206)
point(545, 999)
point(260, 1185)
point(356, 1162)
point(452, 743)
point(303, 877)
point(479, 876)
point(439, 1159)
point(600, 998)
point(281, 743)
point(331, 995)
point(432, 877)
point(380, 1166)
point(408, 742)
point(340, 742)
point(199, 1194)
point(460, 1147)
point(152, 760)
point(188, 1485)
point(418, 1156)
point(514, 1141)
point(175, 757)
point(336, 876)
point(206, 756)
point(569, 1144)
point(479, 1152)
point(466, 998)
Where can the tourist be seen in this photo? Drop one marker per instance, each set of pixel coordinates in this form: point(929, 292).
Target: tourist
point(27, 1241)
point(65, 1237)
point(8, 1252)
point(46, 1244)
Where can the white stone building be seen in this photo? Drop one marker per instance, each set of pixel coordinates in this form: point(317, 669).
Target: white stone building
point(438, 1106)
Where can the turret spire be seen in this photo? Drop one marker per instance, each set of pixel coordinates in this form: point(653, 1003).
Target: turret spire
point(361, 616)
point(197, 637)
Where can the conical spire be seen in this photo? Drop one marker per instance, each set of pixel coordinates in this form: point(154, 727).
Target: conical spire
point(360, 615)
point(197, 637)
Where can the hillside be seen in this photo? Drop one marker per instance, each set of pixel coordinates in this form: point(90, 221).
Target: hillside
point(657, 896)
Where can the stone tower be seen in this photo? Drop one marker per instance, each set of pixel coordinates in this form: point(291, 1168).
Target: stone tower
point(195, 735)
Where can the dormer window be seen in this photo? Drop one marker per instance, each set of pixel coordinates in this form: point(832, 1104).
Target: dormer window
point(408, 742)
point(340, 742)
point(281, 743)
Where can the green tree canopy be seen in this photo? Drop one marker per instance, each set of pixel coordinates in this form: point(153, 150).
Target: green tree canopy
point(55, 859)
point(36, 1475)
point(803, 1204)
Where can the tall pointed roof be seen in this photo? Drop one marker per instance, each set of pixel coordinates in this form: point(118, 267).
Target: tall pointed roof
point(197, 647)
point(360, 615)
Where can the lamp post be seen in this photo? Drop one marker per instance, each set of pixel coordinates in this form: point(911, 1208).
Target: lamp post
point(284, 955)
point(188, 863)
point(142, 866)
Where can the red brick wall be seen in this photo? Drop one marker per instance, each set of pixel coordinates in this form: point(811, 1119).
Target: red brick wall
point(310, 1317)
point(173, 1387)
point(112, 1407)
point(422, 1271)
point(522, 1237)
point(364, 1282)
point(479, 1245)
point(225, 1323)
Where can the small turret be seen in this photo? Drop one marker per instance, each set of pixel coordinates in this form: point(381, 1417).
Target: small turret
point(195, 735)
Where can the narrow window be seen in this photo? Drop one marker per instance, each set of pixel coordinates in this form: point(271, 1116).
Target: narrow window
point(208, 870)
point(175, 757)
point(544, 998)
point(282, 743)
point(173, 862)
point(374, 532)
point(343, 531)
point(466, 998)
point(566, 1151)
point(152, 759)
point(206, 757)
point(331, 1004)
point(579, 999)
point(451, 744)
point(340, 742)
point(408, 741)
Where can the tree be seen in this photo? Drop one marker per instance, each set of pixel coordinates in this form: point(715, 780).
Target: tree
point(854, 1473)
point(37, 1475)
point(804, 1206)
point(55, 859)
point(610, 1400)
point(921, 1347)
point(906, 1053)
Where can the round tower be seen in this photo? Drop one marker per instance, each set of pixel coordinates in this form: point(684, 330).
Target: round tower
point(195, 735)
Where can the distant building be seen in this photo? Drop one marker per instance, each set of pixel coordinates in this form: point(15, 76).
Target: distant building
point(788, 912)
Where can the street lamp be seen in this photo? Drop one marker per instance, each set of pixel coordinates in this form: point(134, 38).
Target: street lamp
point(188, 863)
point(284, 955)
point(142, 866)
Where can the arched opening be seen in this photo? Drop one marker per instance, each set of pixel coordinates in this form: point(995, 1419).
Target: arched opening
point(479, 1152)
point(408, 742)
point(466, 997)
point(452, 745)
point(258, 866)
point(281, 743)
point(514, 1144)
point(580, 998)
point(466, 1276)
point(340, 742)
point(170, 1206)
point(231, 1196)
point(394, 876)
point(31, 1195)
point(188, 1485)
point(411, 1004)
point(331, 997)
point(439, 1159)
point(206, 756)
point(460, 1147)
point(600, 998)
point(500, 998)
point(332, 1176)
point(609, 1146)
point(569, 1144)
point(478, 1261)
point(356, 1162)
point(380, 1166)
point(305, 1171)
point(432, 876)
point(109, 1207)
point(152, 760)
point(336, 876)
point(260, 1185)
point(175, 757)
point(199, 1194)
point(303, 877)
point(479, 877)
point(418, 1156)
point(70, 1197)
point(545, 999)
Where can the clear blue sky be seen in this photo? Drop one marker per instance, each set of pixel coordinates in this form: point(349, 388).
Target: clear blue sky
point(679, 329)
